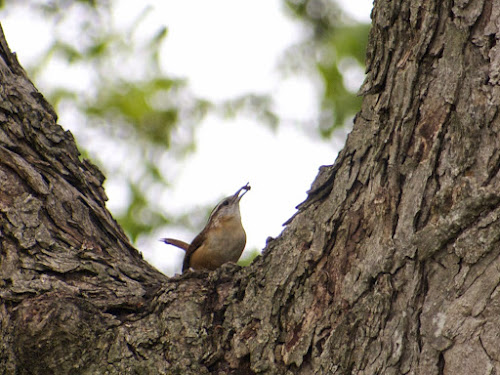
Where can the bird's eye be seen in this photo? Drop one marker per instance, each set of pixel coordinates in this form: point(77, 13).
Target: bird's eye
point(225, 203)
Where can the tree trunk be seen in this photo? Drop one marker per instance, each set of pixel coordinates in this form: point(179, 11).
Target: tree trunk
point(391, 265)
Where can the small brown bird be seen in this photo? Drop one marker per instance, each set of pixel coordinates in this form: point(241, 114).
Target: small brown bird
point(222, 240)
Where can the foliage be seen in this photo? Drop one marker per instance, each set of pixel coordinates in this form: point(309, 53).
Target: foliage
point(248, 257)
point(130, 105)
point(333, 41)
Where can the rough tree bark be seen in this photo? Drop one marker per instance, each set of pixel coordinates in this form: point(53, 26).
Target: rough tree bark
point(391, 265)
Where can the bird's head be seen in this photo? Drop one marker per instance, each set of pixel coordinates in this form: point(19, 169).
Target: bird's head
point(229, 207)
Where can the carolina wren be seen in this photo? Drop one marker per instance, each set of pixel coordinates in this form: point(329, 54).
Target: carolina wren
point(222, 240)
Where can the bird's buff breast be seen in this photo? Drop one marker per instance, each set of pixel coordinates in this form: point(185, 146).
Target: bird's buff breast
point(224, 244)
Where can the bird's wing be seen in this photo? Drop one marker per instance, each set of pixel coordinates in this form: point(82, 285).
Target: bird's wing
point(198, 240)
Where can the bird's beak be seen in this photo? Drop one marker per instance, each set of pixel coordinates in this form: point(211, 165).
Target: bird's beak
point(245, 188)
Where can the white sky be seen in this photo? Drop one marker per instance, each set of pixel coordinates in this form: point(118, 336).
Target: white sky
point(225, 48)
